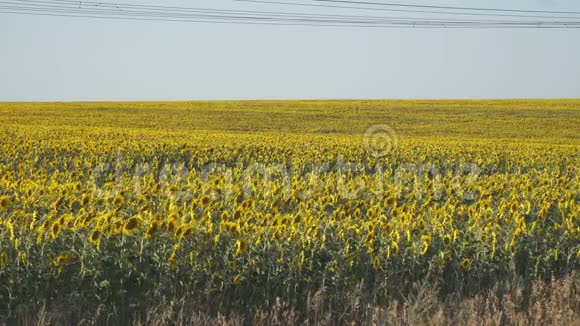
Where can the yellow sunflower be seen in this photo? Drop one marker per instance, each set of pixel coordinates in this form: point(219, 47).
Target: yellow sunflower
point(132, 225)
point(466, 264)
point(95, 237)
point(4, 203)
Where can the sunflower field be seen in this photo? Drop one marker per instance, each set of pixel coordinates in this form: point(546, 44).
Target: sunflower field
point(231, 206)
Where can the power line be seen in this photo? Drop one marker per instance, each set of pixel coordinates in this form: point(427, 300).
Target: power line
point(269, 24)
point(360, 8)
point(450, 7)
point(232, 17)
point(102, 7)
point(93, 9)
point(70, 10)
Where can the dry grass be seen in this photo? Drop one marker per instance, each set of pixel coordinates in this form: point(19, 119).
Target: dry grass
point(511, 303)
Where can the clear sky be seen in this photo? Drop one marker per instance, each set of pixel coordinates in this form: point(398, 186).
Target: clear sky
point(70, 59)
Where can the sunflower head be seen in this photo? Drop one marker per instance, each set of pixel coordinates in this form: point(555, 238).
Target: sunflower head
point(132, 225)
point(241, 247)
point(85, 200)
point(55, 229)
point(204, 201)
point(118, 200)
point(152, 230)
point(63, 259)
point(390, 201)
point(513, 207)
point(75, 205)
point(447, 240)
point(483, 237)
point(4, 203)
point(95, 237)
point(466, 264)
point(186, 232)
point(298, 218)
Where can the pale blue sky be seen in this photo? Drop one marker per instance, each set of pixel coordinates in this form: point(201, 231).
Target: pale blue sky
point(69, 59)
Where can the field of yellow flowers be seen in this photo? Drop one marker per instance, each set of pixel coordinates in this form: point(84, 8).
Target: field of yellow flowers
point(233, 205)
